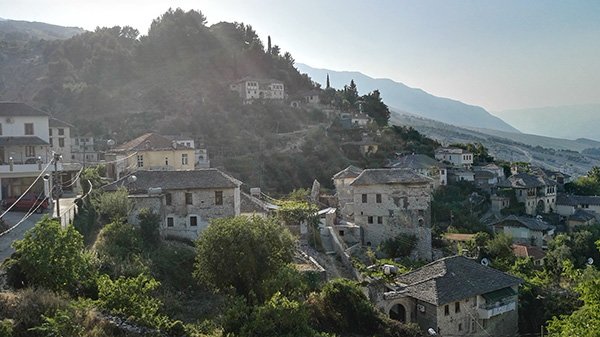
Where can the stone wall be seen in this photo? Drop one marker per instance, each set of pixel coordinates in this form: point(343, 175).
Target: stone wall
point(403, 209)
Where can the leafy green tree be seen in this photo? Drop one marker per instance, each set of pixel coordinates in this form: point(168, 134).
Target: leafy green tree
point(119, 249)
point(499, 250)
point(6, 328)
point(400, 246)
point(131, 297)
point(373, 105)
point(241, 253)
point(61, 324)
point(149, 226)
point(53, 257)
point(114, 206)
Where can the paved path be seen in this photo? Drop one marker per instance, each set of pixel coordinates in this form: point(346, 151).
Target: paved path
point(17, 233)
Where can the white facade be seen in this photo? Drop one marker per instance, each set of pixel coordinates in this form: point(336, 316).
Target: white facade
point(250, 89)
point(456, 156)
point(60, 140)
point(83, 150)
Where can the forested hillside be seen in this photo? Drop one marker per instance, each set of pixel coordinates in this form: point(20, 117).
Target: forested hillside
point(115, 83)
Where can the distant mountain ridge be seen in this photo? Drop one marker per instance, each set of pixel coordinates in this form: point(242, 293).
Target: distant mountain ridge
point(37, 30)
point(415, 101)
point(571, 122)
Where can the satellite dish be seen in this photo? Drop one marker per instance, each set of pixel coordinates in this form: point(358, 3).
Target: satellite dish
point(431, 332)
point(590, 261)
point(485, 262)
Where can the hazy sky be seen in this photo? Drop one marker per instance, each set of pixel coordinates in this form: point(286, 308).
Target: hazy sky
point(498, 54)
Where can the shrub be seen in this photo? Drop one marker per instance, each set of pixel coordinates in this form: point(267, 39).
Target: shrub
point(6, 328)
point(114, 206)
point(400, 246)
point(119, 249)
point(149, 224)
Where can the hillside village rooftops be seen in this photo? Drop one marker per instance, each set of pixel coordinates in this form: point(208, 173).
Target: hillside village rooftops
point(576, 200)
point(582, 215)
point(454, 278)
point(152, 142)
point(176, 180)
point(523, 221)
point(451, 150)
point(390, 176)
point(19, 109)
point(256, 79)
point(525, 180)
point(415, 161)
point(349, 172)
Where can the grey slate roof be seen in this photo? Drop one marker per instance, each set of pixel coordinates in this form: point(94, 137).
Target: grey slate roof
point(576, 200)
point(524, 221)
point(19, 109)
point(524, 180)
point(57, 123)
point(176, 180)
point(582, 215)
point(21, 140)
point(250, 204)
point(453, 279)
point(415, 161)
point(390, 176)
point(349, 172)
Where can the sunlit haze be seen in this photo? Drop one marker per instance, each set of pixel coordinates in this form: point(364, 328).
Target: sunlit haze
point(497, 54)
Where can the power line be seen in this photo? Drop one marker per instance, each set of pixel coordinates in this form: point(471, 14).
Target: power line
point(27, 190)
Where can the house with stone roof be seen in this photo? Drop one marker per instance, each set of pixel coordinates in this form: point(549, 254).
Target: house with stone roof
point(526, 230)
point(388, 203)
point(343, 190)
point(453, 296)
point(252, 88)
point(149, 151)
point(568, 204)
point(186, 201)
point(424, 165)
point(537, 193)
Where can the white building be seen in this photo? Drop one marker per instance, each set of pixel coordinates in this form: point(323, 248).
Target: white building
point(24, 148)
point(455, 156)
point(59, 134)
point(83, 150)
point(250, 89)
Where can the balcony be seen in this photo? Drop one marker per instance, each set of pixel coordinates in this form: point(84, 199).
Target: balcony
point(19, 169)
point(486, 312)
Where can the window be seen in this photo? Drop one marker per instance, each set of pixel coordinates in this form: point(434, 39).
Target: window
point(446, 310)
point(50, 132)
point(166, 161)
point(168, 199)
point(456, 307)
point(378, 198)
point(341, 233)
point(370, 219)
point(459, 326)
point(473, 326)
point(29, 128)
point(51, 142)
point(188, 198)
point(364, 198)
point(169, 222)
point(193, 221)
point(140, 160)
point(184, 159)
point(61, 142)
point(29, 151)
point(61, 132)
point(218, 197)
point(380, 220)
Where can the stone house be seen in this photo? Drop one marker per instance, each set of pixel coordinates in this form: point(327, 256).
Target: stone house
point(568, 204)
point(453, 296)
point(149, 151)
point(536, 254)
point(454, 156)
point(186, 201)
point(84, 150)
point(460, 174)
point(423, 165)
point(537, 193)
point(343, 190)
point(201, 156)
point(581, 217)
point(391, 202)
point(526, 230)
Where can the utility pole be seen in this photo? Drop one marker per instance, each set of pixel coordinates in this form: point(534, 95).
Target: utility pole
point(55, 187)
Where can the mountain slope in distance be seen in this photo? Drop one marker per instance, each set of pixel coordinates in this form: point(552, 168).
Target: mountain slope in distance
point(572, 122)
point(416, 101)
point(38, 30)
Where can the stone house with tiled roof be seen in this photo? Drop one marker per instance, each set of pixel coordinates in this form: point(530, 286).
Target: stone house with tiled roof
point(149, 151)
point(526, 230)
point(185, 200)
point(537, 193)
point(392, 202)
point(424, 165)
point(453, 296)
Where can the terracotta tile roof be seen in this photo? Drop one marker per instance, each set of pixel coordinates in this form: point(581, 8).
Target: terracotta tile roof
point(534, 252)
point(458, 237)
point(150, 141)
